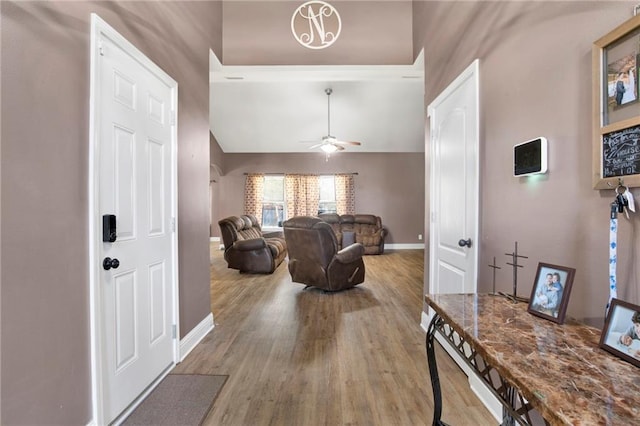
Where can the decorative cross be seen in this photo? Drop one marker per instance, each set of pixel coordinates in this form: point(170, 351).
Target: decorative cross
point(494, 267)
point(515, 265)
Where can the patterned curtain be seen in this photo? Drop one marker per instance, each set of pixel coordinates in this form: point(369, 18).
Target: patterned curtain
point(345, 194)
point(253, 194)
point(302, 193)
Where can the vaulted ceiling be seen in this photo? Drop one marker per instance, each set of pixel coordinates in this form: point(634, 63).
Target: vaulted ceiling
point(267, 109)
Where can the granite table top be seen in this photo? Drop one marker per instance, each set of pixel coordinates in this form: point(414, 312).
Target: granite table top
point(559, 368)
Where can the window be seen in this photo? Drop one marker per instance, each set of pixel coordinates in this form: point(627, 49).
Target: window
point(307, 195)
point(273, 202)
point(327, 195)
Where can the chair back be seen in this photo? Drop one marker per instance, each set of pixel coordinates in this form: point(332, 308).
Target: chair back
point(310, 241)
point(235, 228)
point(314, 259)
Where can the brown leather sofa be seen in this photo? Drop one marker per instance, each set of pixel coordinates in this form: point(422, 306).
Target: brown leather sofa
point(247, 249)
point(366, 229)
point(314, 258)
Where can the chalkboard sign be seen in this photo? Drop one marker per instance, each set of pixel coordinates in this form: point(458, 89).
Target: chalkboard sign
point(621, 152)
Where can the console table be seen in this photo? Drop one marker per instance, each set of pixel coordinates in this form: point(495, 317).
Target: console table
point(541, 372)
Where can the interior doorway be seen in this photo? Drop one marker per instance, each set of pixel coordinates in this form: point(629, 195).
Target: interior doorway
point(454, 186)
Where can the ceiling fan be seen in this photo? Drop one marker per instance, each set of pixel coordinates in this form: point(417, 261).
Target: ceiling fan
point(329, 143)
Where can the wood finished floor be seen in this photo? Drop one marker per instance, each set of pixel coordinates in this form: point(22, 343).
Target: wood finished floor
point(305, 357)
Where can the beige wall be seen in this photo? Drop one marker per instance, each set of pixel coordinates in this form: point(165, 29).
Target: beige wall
point(45, 113)
point(389, 185)
point(216, 157)
point(373, 32)
point(535, 80)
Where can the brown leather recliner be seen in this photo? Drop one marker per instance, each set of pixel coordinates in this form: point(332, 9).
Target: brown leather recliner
point(247, 249)
point(314, 258)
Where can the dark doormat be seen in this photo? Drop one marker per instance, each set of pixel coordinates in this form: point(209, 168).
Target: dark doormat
point(179, 400)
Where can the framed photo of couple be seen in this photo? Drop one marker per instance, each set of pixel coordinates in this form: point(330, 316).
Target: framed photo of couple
point(615, 106)
point(621, 333)
point(551, 290)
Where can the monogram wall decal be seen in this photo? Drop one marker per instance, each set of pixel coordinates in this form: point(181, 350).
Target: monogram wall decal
point(316, 24)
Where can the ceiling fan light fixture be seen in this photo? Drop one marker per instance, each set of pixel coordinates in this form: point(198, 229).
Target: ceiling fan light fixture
point(329, 148)
point(330, 144)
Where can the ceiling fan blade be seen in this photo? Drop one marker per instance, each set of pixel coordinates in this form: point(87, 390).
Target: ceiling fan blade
point(348, 143)
point(339, 147)
point(318, 145)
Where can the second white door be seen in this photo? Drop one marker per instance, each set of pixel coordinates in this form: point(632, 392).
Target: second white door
point(454, 179)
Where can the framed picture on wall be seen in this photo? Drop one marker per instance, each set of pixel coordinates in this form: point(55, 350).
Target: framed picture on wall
point(621, 333)
point(551, 290)
point(616, 110)
point(622, 89)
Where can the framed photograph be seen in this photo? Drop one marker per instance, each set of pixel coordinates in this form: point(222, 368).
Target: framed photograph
point(621, 333)
point(551, 290)
point(621, 82)
point(616, 110)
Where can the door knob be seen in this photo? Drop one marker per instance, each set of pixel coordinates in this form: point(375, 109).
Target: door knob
point(466, 242)
point(109, 263)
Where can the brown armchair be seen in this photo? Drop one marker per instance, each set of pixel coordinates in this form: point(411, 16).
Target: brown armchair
point(247, 249)
point(314, 258)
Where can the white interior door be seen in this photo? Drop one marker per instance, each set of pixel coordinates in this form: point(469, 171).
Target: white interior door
point(454, 186)
point(134, 162)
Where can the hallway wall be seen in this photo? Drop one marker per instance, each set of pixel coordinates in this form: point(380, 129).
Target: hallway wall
point(373, 33)
point(45, 324)
point(535, 80)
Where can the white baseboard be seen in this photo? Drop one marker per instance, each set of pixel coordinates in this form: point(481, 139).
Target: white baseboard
point(216, 240)
point(404, 246)
point(188, 342)
point(476, 384)
point(424, 321)
point(485, 396)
